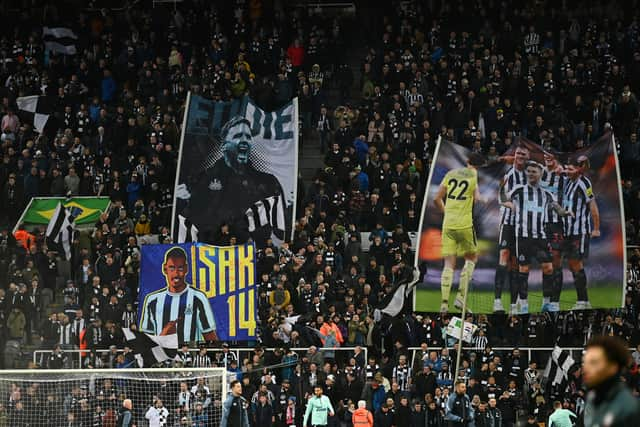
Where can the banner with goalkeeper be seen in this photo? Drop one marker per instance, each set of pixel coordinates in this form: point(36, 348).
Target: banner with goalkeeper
point(533, 230)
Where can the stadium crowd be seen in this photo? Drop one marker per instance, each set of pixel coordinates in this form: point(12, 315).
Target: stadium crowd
point(557, 75)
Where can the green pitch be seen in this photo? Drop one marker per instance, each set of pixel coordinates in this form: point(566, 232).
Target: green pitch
point(428, 300)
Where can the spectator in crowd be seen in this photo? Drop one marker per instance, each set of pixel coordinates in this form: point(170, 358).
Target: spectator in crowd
point(116, 121)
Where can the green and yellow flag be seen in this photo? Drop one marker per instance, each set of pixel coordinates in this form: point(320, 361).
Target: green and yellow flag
point(87, 210)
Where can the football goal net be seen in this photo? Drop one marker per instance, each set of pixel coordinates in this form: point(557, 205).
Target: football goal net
point(95, 397)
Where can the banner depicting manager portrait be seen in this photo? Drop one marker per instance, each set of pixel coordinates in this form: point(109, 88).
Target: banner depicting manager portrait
point(548, 230)
point(237, 170)
point(200, 292)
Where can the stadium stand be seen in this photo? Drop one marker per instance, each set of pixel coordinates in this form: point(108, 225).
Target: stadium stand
point(376, 90)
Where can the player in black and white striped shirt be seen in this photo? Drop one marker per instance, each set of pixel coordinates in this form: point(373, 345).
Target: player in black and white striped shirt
point(414, 97)
point(554, 180)
point(178, 307)
point(202, 359)
point(507, 265)
point(532, 206)
point(581, 226)
point(402, 373)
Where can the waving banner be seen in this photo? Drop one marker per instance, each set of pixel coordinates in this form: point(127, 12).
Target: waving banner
point(200, 292)
point(453, 329)
point(553, 241)
point(237, 168)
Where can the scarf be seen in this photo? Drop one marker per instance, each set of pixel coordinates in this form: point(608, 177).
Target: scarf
point(291, 415)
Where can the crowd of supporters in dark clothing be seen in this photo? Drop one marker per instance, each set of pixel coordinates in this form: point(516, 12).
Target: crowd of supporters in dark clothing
point(556, 74)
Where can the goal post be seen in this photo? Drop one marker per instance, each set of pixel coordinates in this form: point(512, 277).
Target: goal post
point(88, 397)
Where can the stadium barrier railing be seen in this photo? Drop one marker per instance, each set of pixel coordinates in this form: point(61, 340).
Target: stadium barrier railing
point(576, 352)
point(75, 357)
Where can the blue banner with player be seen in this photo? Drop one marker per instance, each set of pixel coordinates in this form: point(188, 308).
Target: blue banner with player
point(201, 292)
point(533, 230)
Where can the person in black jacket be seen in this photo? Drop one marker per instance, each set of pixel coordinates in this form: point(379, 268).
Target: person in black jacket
point(425, 382)
point(417, 415)
point(383, 417)
point(433, 416)
point(403, 415)
point(494, 414)
point(482, 416)
point(57, 359)
point(263, 412)
point(507, 407)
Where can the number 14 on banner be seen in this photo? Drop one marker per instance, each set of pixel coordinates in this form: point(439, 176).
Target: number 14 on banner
point(242, 312)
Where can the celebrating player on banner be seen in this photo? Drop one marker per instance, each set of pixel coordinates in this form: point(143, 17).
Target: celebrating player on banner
point(554, 180)
point(507, 265)
point(532, 207)
point(578, 228)
point(541, 210)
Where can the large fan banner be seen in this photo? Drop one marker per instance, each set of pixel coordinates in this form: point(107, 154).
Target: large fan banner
point(531, 231)
point(200, 292)
point(237, 168)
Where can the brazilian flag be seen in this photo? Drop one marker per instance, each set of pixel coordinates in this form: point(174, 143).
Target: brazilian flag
point(86, 210)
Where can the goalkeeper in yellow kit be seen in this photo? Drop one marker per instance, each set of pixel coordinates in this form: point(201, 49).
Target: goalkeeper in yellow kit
point(455, 198)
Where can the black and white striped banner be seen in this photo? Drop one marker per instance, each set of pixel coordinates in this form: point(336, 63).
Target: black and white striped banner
point(60, 229)
point(557, 370)
point(59, 40)
point(269, 211)
point(149, 350)
point(187, 232)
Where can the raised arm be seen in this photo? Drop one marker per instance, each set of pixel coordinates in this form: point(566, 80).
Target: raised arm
point(595, 214)
point(509, 159)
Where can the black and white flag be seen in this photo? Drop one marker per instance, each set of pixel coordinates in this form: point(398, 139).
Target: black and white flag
point(61, 228)
point(150, 350)
point(558, 366)
point(394, 304)
point(59, 40)
point(269, 211)
point(36, 110)
point(187, 232)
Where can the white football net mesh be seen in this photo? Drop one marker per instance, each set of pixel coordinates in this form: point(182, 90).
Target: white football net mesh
point(183, 397)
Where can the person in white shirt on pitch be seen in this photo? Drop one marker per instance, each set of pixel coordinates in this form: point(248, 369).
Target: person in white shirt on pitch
point(157, 414)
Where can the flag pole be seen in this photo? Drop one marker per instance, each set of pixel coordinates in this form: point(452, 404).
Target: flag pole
point(461, 336)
